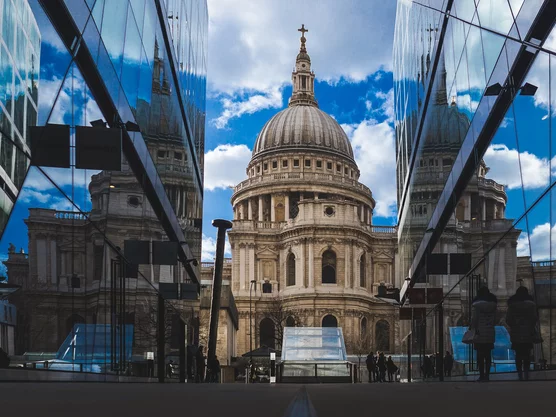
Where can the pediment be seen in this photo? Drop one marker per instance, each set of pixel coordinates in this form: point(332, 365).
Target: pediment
point(267, 253)
point(382, 254)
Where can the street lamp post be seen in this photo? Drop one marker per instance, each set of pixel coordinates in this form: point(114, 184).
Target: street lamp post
point(251, 284)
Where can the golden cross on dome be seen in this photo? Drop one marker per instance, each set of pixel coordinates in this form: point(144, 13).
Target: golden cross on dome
point(303, 30)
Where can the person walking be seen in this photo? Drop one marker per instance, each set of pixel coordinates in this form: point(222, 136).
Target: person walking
point(371, 366)
point(170, 369)
point(521, 318)
point(483, 314)
point(200, 362)
point(392, 368)
point(381, 364)
point(448, 364)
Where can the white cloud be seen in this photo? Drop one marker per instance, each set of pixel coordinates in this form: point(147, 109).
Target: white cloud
point(236, 107)
point(208, 248)
point(540, 238)
point(36, 181)
point(225, 166)
point(505, 169)
point(378, 169)
point(253, 46)
point(387, 106)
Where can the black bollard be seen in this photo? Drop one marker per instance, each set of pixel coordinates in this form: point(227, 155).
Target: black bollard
point(222, 226)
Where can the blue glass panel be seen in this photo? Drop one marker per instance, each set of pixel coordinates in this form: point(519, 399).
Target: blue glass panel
point(313, 344)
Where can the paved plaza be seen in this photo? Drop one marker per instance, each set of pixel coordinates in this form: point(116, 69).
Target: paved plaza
point(421, 399)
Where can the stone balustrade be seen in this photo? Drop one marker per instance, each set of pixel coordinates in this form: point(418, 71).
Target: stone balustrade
point(310, 177)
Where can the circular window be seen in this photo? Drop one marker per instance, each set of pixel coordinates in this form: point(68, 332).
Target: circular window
point(329, 211)
point(133, 201)
point(303, 65)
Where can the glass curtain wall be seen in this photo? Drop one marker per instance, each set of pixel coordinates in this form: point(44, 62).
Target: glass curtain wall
point(82, 308)
point(503, 214)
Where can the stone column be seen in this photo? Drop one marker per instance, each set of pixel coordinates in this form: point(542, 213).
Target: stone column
point(272, 211)
point(287, 206)
point(242, 270)
point(251, 266)
point(311, 260)
point(347, 266)
point(261, 201)
point(369, 216)
point(249, 209)
point(467, 213)
point(484, 211)
point(300, 277)
point(362, 213)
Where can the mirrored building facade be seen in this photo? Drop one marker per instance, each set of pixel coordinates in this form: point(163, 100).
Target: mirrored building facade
point(138, 67)
point(474, 113)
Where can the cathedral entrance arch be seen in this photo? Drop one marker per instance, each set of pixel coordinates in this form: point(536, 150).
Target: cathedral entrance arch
point(267, 333)
point(382, 336)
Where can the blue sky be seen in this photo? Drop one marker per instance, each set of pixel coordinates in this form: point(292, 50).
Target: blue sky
point(251, 56)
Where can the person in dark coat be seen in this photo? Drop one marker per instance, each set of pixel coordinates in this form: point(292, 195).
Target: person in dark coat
point(439, 363)
point(521, 318)
point(200, 362)
point(448, 364)
point(427, 367)
point(371, 367)
point(381, 365)
point(4, 359)
point(392, 368)
point(483, 315)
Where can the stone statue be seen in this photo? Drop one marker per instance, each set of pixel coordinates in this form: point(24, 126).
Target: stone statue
point(11, 248)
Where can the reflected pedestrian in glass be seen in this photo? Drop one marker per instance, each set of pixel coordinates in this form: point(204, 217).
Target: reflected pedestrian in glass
point(521, 318)
point(483, 314)
point(448, 364)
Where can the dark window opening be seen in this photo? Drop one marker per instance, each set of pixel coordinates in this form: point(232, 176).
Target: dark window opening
point(329, 267)
point(329, 321)
point(307, 163)
point(265, 166)
point(161, 154)
point(296, 162)
point(178, 156)
point(285, 163)
point(267, 288)
point(329, 165)
point(319, 164)
point(382, 336)
point(274, 164)
point(290, 278)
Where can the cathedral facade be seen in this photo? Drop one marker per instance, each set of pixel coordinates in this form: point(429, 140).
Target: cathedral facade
point(304, 248)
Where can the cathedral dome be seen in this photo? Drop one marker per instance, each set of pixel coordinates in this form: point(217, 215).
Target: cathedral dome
point(303, 127)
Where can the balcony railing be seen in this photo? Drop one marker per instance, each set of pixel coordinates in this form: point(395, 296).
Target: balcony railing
point(40, 213)
point(491, 183)
point(384, 229)
point(306, 177)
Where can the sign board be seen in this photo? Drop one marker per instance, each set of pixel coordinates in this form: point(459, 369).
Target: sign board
point(137, 251)
point(50, 146)
point(168, 290)
point(165, 253)
point(98, 148)
point(437, 264)
point(412, 313)
point(460, 263)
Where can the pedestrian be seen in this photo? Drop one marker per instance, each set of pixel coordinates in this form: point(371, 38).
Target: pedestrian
point(391, 367)
point(4, 359)
point(371, 367)
point(170, 369)
point(427, 367)
point(439, 364)
point(483, 315)
point(381, 364)
point(521, 318)
point(200, 362)
point(190, 357)
point(448, 364)
point(215, 370)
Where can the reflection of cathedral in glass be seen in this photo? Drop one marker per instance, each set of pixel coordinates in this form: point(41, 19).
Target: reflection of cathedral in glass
point(19, 78)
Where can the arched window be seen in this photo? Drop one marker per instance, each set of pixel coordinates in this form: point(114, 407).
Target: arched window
point(267, 333)
point(382, 336)
point(363, 271)
point(329, 321)
point(329, 267)
point(72, 321)
point(290, 270)
point(363, 331)
point(290, 322)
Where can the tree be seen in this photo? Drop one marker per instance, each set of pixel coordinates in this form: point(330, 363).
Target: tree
point(282, 316)
point(360, 345)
